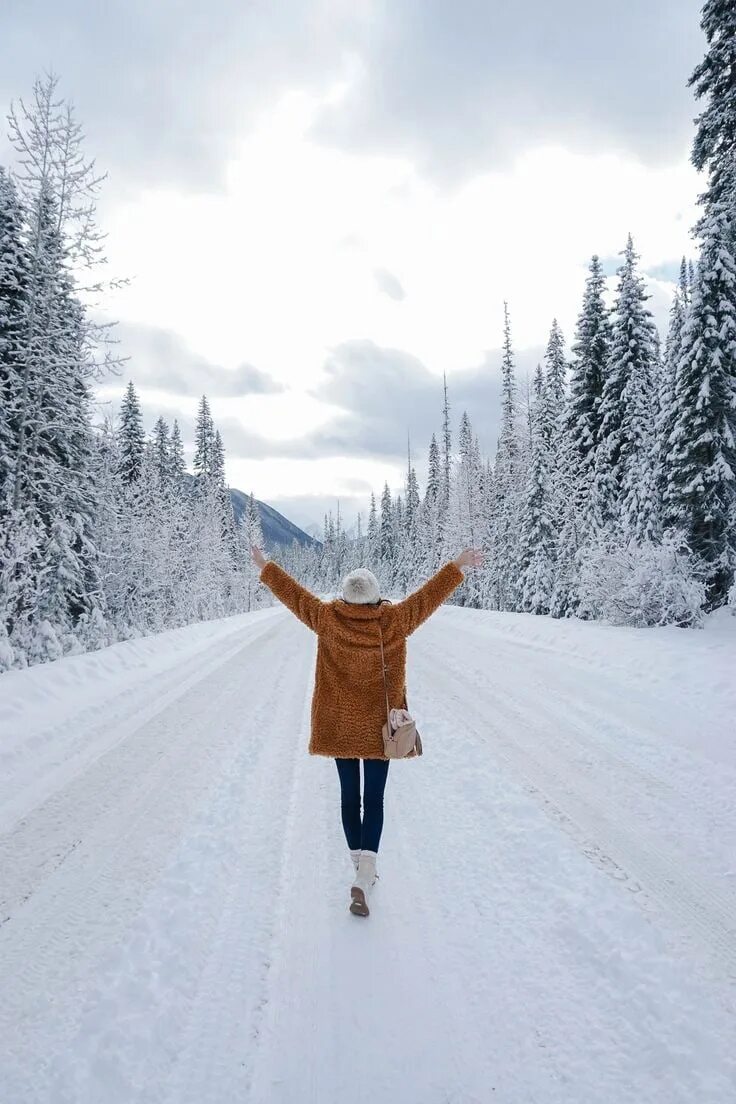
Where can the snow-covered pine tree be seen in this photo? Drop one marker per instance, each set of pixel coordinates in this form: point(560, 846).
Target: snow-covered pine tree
point(14, 269)
point(672, 354)
point(590, 353)
point(341, 547)
point(109, 527)
point(61, 598)
point(446, 448)
point(581, 434)
point(501, 573)
point(555, 368)
point(386, 539)
point(624, 490)
point(552, 425)
point(54, 456)
point(177, 466)
point(250, 533)
point(432, 511)
point(22, 541)
point(701, 466)
point(399, 535)
point(714, 147)
point(221, 493)
point(409, 565)
point(373, 540)
point(508, 443)
point(131, 439)
point(467, 514)
point(204, 437)
point(434, 476)
point(327, 571)
point(162, 452)
point(58, 189)
point(537, 538)
point(411, 512)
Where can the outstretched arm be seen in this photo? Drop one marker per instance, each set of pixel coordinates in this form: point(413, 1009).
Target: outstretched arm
point(299, 600)
point(418, 606)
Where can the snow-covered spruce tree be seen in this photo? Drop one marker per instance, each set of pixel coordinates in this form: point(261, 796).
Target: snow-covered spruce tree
point(581, 434)
point(372, 534)
point(714, 147)
point(446, 448)
point(386, 539)
point(61, 596)
point(409, 558)
point(672, 354)
point(22, 540)
point(700, 499)
point(342, 554)
point(53, 469)
point(58, 189)
point(399, 532)
point(14, 267)
point(177, 466)
point(221, 493)
point(411, 495)
point(553, 424)
point(327, 573)
point(162, 451)
point(432, 512)
point(466, 521)
point(250, 533)
point(109, 527)
point(501, 573)
point(590, 354)
point(204, 438)
point(555, 368)
point(624, 491)
point(537, 537)
point(131, 439)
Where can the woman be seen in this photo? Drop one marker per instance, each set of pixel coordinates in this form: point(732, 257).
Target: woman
point(349, 703)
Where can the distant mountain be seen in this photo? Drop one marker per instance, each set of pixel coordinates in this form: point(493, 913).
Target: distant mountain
point(276, 528)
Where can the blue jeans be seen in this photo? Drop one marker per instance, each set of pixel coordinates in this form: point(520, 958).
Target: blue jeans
point(362, 835)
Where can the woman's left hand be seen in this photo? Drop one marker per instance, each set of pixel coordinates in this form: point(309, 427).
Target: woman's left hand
point(471, 557)
point(258, 558)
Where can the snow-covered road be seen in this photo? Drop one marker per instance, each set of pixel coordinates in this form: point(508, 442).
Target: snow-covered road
point(555, 921)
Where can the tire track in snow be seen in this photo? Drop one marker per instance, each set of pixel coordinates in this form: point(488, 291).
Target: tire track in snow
point(80, 911)
point(224, 1021)
point(61, 753)
point(704, 914)
point(37, 845)
point(673, 787)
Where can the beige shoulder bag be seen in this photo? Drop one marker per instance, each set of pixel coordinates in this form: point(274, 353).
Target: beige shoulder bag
point(401, 741)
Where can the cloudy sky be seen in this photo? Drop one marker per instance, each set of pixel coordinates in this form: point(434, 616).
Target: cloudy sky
point(322, 204)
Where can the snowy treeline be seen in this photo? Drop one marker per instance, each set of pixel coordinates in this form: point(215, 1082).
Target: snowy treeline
point(612, 493)
point(102, 533)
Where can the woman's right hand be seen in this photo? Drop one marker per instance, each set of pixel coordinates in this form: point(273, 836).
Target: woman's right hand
point(258, 558)
point(471, 557)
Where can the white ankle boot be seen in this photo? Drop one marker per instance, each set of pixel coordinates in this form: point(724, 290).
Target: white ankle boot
point(355, 858)
point(364, 881)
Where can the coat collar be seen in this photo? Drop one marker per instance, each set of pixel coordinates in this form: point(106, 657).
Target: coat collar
point(356, 611)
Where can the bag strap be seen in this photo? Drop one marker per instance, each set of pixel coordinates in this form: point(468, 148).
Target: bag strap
point(385, 687)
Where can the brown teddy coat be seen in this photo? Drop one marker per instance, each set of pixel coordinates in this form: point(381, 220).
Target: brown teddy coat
point(348, 704)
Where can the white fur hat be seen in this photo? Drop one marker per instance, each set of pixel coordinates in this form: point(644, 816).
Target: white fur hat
point(360, 587)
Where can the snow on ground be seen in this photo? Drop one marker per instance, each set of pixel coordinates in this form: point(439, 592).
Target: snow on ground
point(555, 920)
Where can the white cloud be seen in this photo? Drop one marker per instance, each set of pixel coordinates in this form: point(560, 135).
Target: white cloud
point(280, 269)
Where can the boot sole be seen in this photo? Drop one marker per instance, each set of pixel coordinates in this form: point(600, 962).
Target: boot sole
point(358, 904)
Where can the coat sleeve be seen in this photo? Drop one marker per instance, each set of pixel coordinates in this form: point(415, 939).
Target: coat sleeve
point(415, 609)
point(304, 605)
